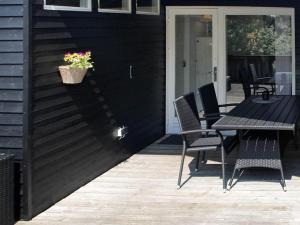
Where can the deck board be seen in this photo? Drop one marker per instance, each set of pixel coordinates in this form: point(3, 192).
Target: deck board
point(142, 190)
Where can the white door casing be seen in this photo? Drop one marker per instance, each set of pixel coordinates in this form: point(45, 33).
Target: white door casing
point(219, 54)
point(171, 120)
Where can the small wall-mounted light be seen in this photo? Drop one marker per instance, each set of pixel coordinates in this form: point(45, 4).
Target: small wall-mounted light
point(121, 132)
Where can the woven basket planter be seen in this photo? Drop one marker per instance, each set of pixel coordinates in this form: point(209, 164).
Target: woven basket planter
point(72, 75)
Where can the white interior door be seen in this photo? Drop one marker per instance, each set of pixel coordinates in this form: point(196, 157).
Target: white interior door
point(191, 55)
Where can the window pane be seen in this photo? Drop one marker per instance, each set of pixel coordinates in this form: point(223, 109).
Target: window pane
point(149, 6)
point(263, 44)
point(194, 54)
point(114, 4)
point(72, 3)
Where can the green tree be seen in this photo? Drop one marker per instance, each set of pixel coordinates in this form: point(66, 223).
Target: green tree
point(259, 35)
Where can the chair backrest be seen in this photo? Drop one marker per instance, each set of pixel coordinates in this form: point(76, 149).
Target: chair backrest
point(209, 102)
point(246, 82)
point(253, 73)
point(187, 114)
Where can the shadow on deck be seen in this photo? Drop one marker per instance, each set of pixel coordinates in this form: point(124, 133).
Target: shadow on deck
point(142, 190)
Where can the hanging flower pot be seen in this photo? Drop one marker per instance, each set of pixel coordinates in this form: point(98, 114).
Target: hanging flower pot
point(72, 75)
point(79, 63)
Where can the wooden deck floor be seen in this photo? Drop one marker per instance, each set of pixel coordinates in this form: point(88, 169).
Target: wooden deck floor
point(143, 190)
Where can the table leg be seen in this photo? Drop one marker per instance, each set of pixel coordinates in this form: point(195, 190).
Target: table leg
point(281, 169)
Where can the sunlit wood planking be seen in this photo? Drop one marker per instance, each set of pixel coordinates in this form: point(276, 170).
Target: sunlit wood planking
point(143, 190)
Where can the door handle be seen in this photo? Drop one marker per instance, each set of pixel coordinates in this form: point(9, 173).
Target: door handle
point(215, 73)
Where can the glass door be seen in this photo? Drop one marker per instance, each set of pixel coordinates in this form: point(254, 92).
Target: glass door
point(261, 44)
point(212, 44)
point(192, 56)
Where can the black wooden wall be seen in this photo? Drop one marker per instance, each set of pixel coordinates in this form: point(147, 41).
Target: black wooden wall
point(11, 77)
point(73, 125)
point(11, 87)
point(266, 3)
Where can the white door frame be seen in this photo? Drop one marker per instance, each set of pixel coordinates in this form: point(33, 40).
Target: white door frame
point(219, 32)
point(224, 11)
point(171, 126)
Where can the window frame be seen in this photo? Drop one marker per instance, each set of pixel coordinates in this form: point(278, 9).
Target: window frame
point(148, 13)
point(129, 11)
point(69, 8)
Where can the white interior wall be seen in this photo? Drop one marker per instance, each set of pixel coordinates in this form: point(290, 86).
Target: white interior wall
point(179, 54)
point(193, 55)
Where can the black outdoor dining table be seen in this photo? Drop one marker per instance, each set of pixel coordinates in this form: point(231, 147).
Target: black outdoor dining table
point(260, 125)
point(278, 113)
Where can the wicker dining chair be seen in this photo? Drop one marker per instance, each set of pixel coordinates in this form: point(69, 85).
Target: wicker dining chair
point(211, 107)
point(196, 139)
point(257, 81)
point(212, 113)
point(248, 88)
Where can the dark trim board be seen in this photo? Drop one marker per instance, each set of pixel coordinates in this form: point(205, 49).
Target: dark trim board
point(27, 171)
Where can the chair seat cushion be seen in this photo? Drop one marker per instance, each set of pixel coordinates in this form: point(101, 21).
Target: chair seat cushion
point(206, 141)
point(211, 143)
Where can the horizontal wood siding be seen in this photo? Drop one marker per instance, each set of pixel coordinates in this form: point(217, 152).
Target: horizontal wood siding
point(266, 3)
point(11, 77)
point(11, 89)
point(73, 125)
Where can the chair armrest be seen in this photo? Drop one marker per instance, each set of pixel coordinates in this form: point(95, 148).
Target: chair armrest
point(197, 131)
point(263, 78)
point(209, 118)
point(265, 89)
point(230, 104)
point(265, 81)
point(212, 115)
point(224, 113)
point(201, 131)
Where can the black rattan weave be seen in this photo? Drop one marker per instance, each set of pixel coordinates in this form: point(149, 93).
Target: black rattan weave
point(264, 123)
point(6, 189)
point(259, 149)
point(195, 138)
